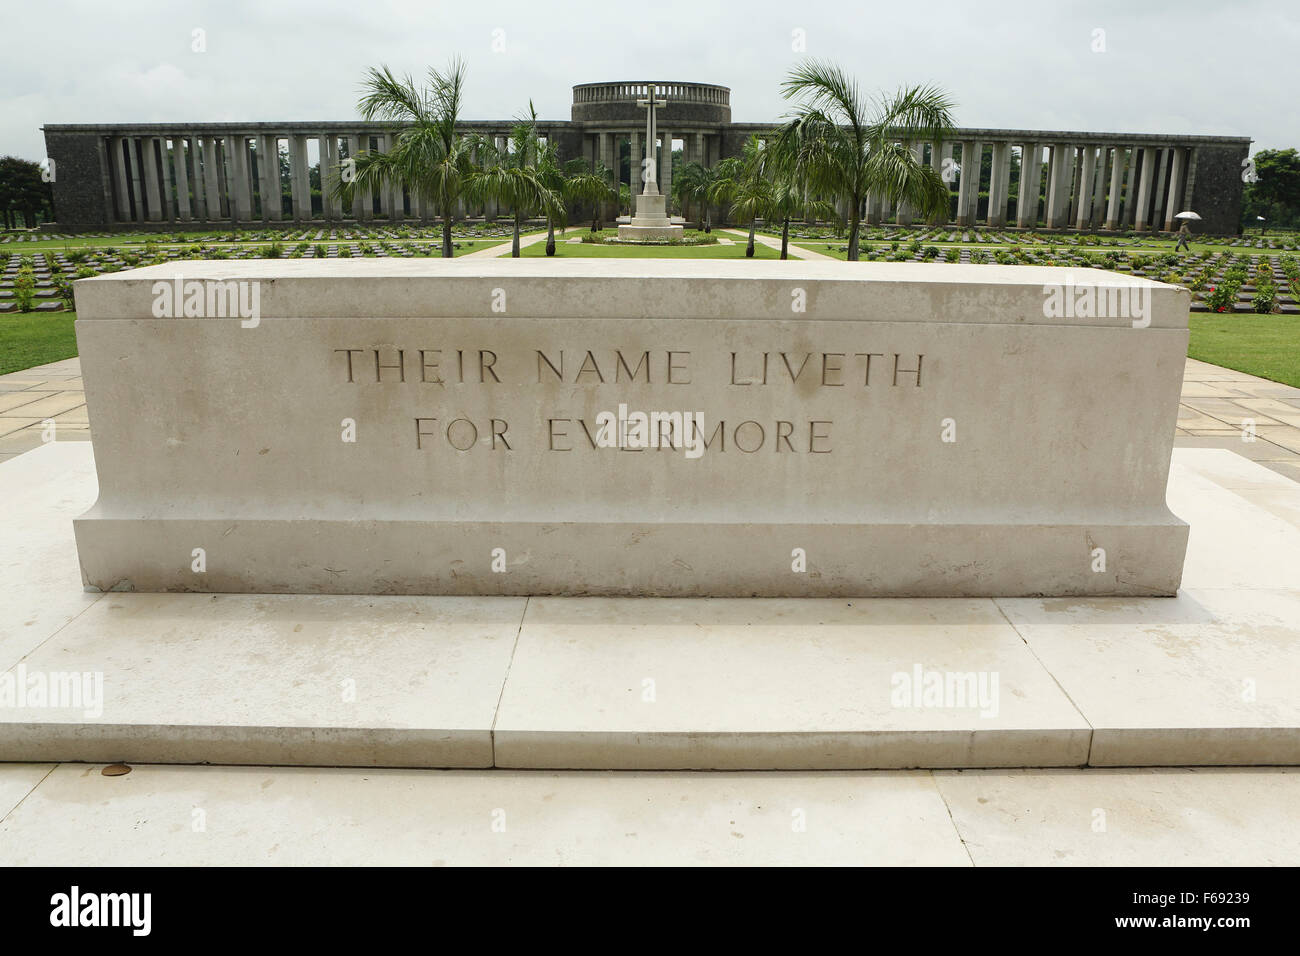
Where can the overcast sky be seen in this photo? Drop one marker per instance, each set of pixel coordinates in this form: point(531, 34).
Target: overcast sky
point(1194, 66)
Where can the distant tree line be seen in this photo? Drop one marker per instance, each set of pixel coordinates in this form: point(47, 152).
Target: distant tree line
point(23, 193)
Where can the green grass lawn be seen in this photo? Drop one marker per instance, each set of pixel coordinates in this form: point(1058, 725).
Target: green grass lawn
point(593, 250)
point(35, 338)
point(1263, 345)
point(883, 246)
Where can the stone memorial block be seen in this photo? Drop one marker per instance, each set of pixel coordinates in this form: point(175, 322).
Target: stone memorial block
point(636, 427)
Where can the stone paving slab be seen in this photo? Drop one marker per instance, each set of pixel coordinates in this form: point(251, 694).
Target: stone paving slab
point(1160, 817)
point(72, 815)
point(279, 816)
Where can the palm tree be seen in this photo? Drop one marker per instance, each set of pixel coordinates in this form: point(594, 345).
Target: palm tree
point(428, 156)
point(598, 190)
point(850, 147)
point(574, 182)
point(511, 176)
point(695, 184)
point(789, 200)
point(743, 182)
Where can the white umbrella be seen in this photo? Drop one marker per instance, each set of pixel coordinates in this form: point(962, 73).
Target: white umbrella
point(1187, 215)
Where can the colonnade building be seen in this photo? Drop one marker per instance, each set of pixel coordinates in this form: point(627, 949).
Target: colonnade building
point(169, 176)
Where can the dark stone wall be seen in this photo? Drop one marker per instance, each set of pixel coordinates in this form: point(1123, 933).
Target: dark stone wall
point(568, 142)
point(669, 117)
point(733, 141)
point(1217, 192)
point(79, 201)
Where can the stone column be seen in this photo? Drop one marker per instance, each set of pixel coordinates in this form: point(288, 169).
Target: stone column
point(1129, 207)
point(636, 171)
point(393, 192)
point(666, 173)
point(360, 197)
point(1144, 189)
point(211, 183)
point(1058, 189)
point(969, 173)
point(699, 150)
point(605, 150)
point(199, 203)
point(1084, 213)
point(972, 215)
point(299, 179)
point(1175, 189)
point(222, 150)
point(941, 159)
point(385, 204)
point(153, 190)
point(1072, 197)
point(1116, 186)
point(1161, 176)
point(1031, 174)
point(329, 173)
point(180, 171)
point(326, 149)
point(1099, 189)
point(241, 168)
point(269, 182)
point(999, 185)
point(121, 178)
point(168, 179)
point(873, 209)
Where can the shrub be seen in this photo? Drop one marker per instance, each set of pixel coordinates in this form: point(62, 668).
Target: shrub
point(1264, 300)
point(952, 255)
point(64, 288)
point(85, 272)
point(25, 289)
point(319, 250)
point(273, 250)
point(1222, 297)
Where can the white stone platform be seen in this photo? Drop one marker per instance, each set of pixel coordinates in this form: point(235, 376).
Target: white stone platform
point(1210, 677)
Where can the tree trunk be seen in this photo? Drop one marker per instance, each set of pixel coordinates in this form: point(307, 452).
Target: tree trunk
point(550, 237)
point(785, 236)
point(855, 226)
point(447, 251)
point(749, 246)
point(514, 242)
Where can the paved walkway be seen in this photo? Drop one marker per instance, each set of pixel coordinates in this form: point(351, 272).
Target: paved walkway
point(794, 252)
point(496, 252)
point(1220, 406)
point(72, 815)
point(1216, 405)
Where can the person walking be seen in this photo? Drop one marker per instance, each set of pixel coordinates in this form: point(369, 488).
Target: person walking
point(1183, 234)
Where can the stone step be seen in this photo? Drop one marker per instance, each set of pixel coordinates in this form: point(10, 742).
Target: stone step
point(615, 683)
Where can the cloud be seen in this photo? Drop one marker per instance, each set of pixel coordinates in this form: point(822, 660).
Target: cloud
point(1193, 66)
